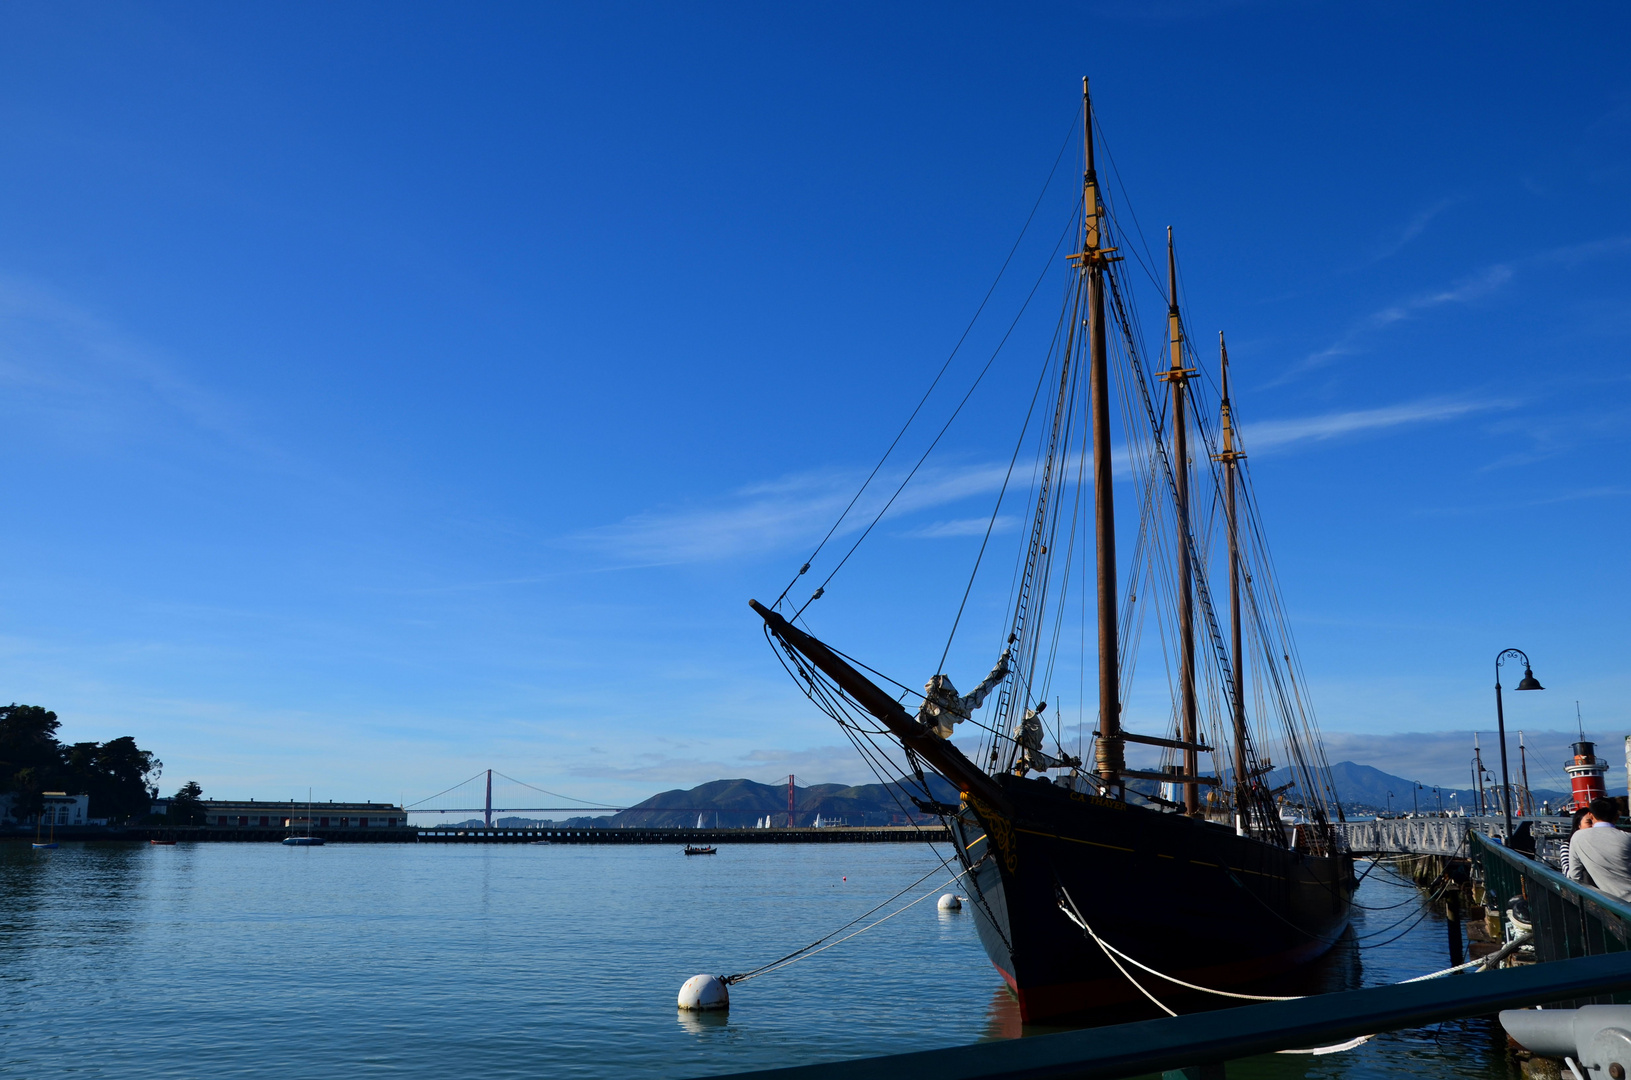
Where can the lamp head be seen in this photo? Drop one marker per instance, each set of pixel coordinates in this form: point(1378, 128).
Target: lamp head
point(1529, 682)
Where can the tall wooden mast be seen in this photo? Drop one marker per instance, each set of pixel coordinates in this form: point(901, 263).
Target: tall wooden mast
point(1229, 456)
point(1178, 376)
point(1092, 260)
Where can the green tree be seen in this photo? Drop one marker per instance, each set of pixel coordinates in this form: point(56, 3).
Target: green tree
point(30, 758)
point(186, 805)
point(117, 775)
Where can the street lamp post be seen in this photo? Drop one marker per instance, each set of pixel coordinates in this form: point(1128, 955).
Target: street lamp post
point(1415, 807)
point(1390, 804)
point(1528, 682)
point(1440, 797)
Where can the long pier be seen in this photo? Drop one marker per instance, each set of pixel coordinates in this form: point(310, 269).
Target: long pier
point(479, 835)
point(830, 835)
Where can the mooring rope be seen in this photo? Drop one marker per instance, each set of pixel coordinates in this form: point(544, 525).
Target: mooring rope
point(1075, 916)
point(1068, 905)
point(1110, 952)
point(810, 950)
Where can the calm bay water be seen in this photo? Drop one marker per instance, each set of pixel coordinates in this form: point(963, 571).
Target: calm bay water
point(228, 960)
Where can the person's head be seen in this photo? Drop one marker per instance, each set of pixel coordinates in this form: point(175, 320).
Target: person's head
point(1605, 809)
point(1577, 820)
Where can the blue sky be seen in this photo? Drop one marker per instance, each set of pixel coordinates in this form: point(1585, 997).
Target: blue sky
point(394, 392)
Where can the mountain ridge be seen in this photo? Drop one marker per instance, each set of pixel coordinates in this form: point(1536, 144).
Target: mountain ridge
point(741, 803)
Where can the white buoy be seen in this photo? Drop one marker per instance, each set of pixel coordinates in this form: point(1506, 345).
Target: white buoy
point(951, 902)
point(704, 993)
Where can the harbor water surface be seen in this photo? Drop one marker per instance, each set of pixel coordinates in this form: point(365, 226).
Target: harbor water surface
point(227, 960)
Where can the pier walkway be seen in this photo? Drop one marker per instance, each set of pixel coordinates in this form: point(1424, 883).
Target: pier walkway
point(481, 835)
point(1445, 836)
point(832, 835)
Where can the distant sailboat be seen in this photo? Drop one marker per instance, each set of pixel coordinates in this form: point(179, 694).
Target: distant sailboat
point(308, 840)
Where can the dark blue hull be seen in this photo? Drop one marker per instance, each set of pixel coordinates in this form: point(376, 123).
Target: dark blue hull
point(1186, 897)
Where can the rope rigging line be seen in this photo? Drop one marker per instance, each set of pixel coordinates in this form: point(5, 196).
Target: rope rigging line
point(943, 367)
point(1008, 476)
point(822, 588)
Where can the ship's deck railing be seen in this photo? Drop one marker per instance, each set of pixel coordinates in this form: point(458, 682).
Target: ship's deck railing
point(1569, 919)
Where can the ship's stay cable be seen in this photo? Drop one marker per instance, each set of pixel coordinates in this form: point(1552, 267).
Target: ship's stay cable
point(822, 588)
point(1013, 460)
point(943, 367)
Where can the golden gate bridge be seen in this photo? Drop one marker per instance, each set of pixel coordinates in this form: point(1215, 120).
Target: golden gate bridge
point(475, 796)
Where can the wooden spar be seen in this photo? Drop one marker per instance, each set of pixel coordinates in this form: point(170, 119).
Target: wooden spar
point(1108, 749)
point(1155, 740)
point(1178, 376)
point(1230, 457)
point(941, 755)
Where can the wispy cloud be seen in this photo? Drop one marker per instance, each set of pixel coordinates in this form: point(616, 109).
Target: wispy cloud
point(1412, 229)
point(1478, 285)
point(1482, 284)
point(1610, 492)
point(814, 765)
point(771, 516)
point(798, 510)
point(1444, 757)
point(1274, 434)
point(90, 379)
point(962, 527)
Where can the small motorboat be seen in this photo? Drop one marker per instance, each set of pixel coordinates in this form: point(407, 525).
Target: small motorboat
point(689, 850)
point(163, 843)
point(45, 847)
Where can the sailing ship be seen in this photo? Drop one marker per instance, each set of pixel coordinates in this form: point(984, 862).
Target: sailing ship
point(1088, 880)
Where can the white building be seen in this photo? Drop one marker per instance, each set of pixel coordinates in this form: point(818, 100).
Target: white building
point(60, 808)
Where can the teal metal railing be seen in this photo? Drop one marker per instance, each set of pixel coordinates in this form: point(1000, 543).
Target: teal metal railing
point(1568, 919)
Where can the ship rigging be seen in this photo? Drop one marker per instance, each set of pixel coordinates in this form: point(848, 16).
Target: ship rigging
point(1196, 820)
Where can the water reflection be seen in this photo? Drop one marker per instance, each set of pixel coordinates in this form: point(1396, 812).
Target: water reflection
point(702, 1023)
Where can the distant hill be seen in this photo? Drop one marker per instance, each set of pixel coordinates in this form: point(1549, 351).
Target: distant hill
point(732, 804)
point(741, 803)
point(1364, 788)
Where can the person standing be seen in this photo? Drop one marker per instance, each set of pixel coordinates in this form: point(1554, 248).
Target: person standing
point(1576, 823)
point(1600, 854)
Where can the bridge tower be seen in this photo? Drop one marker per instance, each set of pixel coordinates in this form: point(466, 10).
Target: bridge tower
point(489, 812)
point(789, 800)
